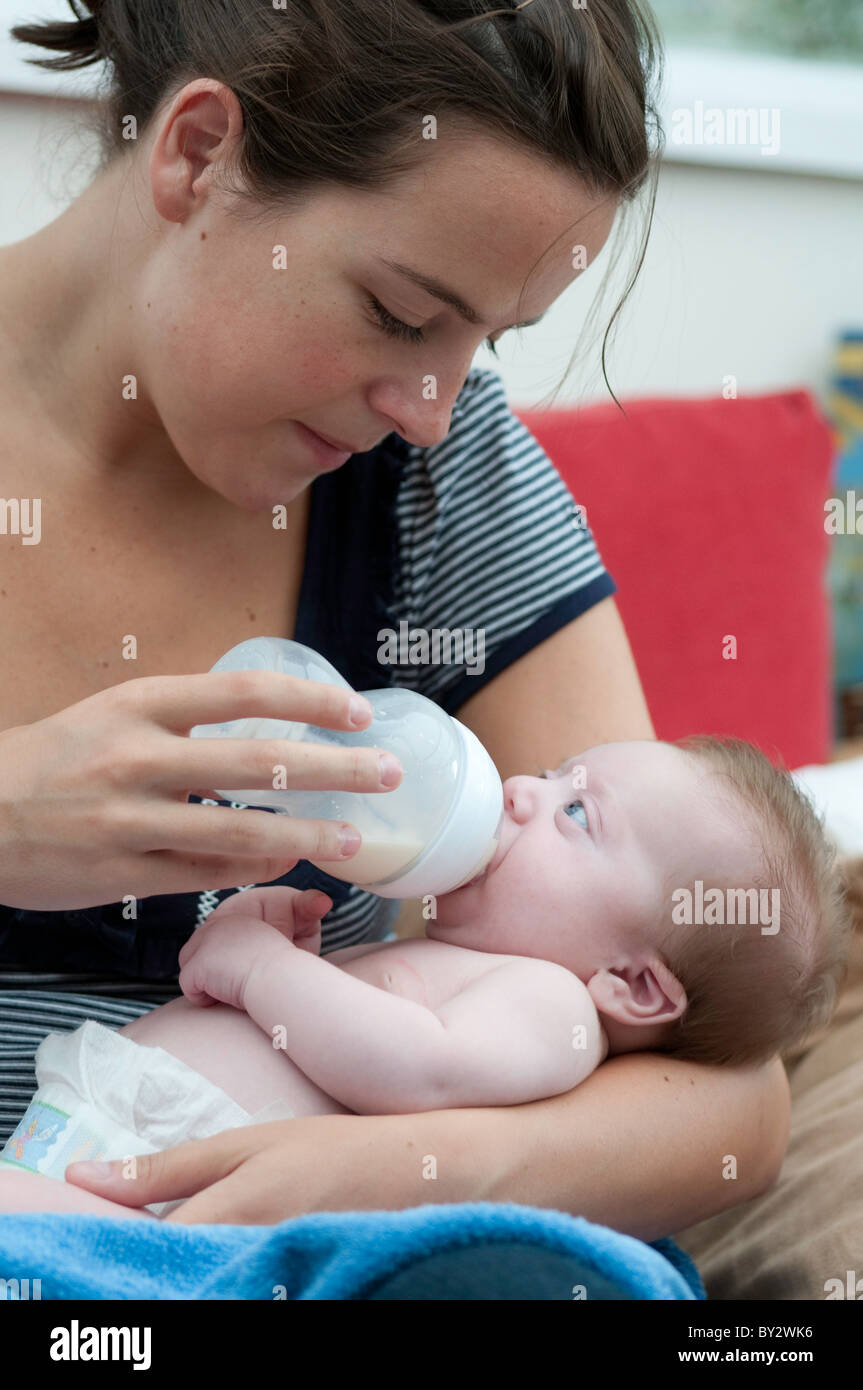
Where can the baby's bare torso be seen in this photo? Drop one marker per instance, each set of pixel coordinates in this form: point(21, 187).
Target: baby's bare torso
point(228, 1048)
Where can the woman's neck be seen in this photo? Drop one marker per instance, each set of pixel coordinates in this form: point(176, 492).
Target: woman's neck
point(67, 341)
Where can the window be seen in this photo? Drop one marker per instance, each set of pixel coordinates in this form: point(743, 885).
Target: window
point(803, 28)
point(766, 84)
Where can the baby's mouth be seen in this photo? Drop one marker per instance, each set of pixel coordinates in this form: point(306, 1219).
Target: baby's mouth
point(491, 867)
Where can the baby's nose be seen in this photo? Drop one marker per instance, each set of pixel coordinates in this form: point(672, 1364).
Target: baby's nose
point(519, 796)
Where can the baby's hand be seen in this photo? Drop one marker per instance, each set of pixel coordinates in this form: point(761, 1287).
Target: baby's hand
point(245, 930)
point(293, 912)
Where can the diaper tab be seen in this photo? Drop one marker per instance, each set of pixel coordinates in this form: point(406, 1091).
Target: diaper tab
point(47, 1139)
point(101, 1095)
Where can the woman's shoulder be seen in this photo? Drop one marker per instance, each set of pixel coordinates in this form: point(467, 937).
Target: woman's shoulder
point(481, 385)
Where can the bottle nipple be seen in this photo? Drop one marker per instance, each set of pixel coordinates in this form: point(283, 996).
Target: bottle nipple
point(481, 865)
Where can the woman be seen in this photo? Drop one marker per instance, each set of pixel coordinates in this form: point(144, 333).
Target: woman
point(236, 373)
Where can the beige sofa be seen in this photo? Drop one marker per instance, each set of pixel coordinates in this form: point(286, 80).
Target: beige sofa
point(804, 1238)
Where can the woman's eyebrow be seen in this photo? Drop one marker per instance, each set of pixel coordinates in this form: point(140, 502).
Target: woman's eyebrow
point(438, 290)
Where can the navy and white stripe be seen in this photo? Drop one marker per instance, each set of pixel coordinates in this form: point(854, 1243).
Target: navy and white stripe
point(486, 541)
point(489, 540)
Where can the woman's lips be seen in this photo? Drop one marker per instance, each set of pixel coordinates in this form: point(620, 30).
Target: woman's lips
point(326, 454)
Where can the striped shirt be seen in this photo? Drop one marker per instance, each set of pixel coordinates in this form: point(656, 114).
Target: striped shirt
point(431, 569)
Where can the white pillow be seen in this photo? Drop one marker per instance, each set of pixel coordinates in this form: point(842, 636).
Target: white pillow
point(836, 792)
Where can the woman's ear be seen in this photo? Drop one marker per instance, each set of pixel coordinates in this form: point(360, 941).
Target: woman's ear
point(643, 992)
point(202, 123)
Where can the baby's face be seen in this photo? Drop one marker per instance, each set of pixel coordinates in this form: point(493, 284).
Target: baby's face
point(584, 854)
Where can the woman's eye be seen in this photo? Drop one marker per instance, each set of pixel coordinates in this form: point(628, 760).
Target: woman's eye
point(580, 804)
point(397, 328)
point(393, 326)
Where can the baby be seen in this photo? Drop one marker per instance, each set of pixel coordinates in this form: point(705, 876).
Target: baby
point(671, 897)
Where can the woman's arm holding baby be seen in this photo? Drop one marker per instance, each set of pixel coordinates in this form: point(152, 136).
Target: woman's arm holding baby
point(644, 1144)
point(638, 1146)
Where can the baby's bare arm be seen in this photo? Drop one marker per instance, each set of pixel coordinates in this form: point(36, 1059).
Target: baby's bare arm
point(526, 1031)
point(523, 1031)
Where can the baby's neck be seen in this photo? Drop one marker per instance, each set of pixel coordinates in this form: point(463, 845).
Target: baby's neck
point(631, 1037)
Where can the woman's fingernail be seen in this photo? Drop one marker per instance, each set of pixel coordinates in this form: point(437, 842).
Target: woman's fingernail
point(391, 772)
point(360, 710)
point(349, 840)
point(91, 1169)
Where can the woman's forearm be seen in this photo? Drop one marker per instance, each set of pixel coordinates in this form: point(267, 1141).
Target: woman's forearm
point(627, 1148)
point(644, 1145)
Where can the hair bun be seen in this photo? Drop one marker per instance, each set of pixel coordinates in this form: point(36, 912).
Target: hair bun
point(76, 42)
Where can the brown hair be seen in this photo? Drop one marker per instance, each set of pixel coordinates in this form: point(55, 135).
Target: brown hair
point(335, 91)
point(753, 996)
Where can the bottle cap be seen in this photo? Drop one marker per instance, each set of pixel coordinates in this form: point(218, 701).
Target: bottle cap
point(468, 838)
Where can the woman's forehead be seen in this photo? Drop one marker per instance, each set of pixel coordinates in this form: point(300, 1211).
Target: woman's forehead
point(484, 230)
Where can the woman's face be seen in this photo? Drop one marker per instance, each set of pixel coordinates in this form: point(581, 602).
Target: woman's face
point(252, 328)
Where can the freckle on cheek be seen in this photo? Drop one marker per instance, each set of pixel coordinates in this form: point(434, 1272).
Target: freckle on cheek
point(319, 370)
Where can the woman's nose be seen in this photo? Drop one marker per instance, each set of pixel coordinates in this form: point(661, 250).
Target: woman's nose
point(426, 422)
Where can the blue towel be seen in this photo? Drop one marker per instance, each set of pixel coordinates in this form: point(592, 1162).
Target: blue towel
point(324, 1255)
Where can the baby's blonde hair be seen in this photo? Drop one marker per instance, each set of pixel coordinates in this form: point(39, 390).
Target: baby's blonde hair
point(751, 995)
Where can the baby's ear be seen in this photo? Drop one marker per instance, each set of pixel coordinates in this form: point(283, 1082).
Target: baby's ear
point(644, 992)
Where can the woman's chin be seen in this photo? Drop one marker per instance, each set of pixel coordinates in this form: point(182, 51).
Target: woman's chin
point(259, 487)
point(259, 494)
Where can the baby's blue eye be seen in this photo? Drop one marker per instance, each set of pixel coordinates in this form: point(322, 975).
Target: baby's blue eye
point(584, 812)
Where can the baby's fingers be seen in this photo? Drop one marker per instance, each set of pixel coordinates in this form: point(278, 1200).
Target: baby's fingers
point(313, 904)
point(192, 990)
point(309, 909)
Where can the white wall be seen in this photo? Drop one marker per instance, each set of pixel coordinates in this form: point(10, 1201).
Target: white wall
point(748, 273)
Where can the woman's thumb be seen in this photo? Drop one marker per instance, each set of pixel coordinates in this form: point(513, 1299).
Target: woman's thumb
point(169, 1175)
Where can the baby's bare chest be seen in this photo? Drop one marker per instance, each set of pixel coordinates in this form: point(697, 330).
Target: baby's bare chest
point(427, 972)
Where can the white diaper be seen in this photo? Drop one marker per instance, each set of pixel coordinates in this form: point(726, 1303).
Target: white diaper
point(103, 1095)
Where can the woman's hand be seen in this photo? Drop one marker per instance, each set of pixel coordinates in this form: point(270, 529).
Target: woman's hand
point(241, 938)
point(94, 800)
point(262, 1174)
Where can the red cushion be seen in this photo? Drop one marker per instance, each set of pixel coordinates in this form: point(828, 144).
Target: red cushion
point(709, 514)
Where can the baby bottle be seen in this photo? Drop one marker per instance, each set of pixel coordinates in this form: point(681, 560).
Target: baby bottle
point(435, 832)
